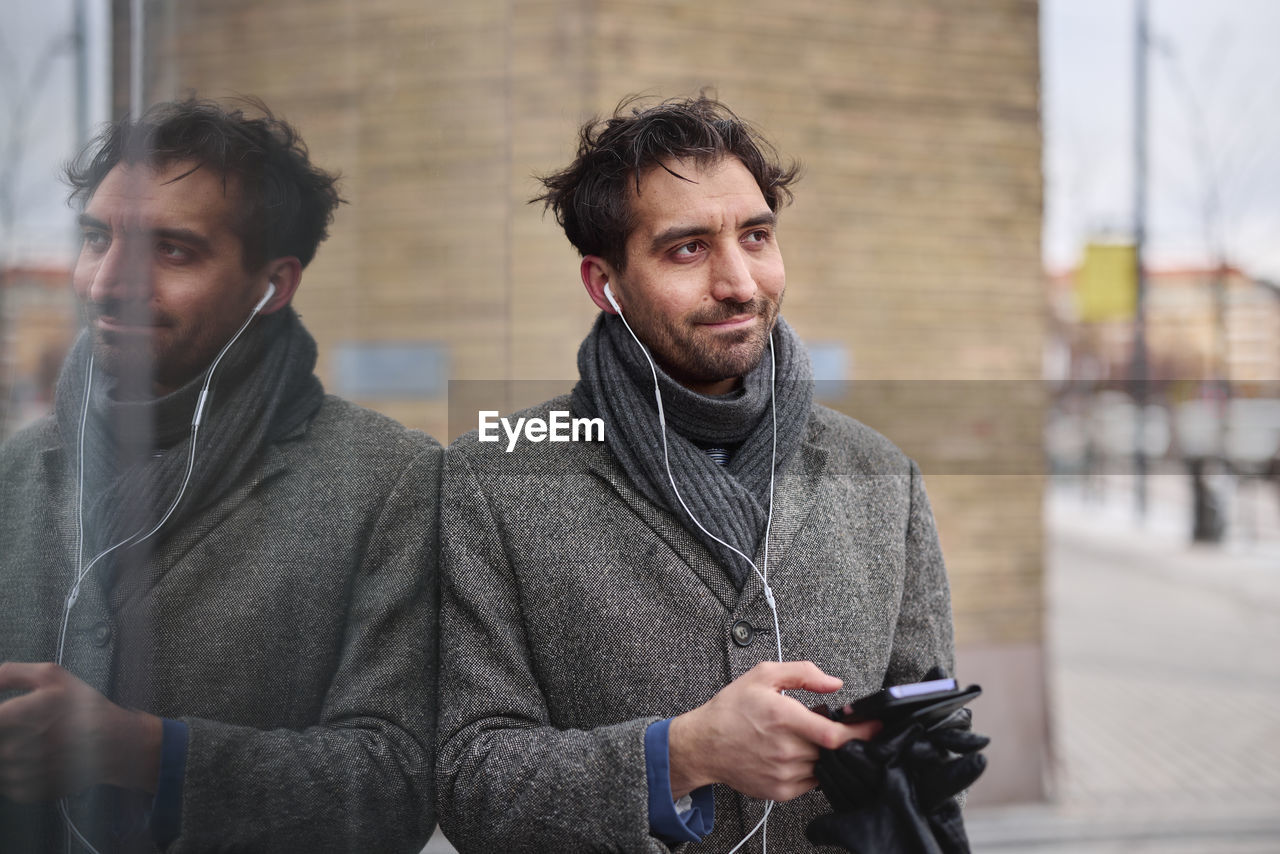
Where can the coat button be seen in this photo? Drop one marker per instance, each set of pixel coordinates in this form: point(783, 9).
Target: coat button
point(101, 634)
point(742, 633)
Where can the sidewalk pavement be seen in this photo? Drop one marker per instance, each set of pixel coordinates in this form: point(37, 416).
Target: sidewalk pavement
point(1164, 669)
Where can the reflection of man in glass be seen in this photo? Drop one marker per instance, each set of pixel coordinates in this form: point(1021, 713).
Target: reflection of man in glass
point(217, 626)
point(613, 665)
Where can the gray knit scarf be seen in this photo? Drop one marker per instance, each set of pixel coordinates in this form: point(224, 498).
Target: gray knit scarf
point(135, 452)
point(732, 501)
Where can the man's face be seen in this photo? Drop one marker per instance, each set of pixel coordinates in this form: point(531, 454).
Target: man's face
point(160, 277)
point(704, 276)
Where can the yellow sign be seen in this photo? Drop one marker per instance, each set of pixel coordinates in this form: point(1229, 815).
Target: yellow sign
point(1107, 282)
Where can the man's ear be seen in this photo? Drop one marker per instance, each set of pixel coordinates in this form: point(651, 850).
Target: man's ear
point(596, 273)
point(286, 274)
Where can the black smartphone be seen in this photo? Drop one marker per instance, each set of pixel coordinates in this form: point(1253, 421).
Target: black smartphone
point(899, 706)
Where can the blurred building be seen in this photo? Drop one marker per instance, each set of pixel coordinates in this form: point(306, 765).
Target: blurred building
point(913, 248)
point(1202, 324)
point(36, 329)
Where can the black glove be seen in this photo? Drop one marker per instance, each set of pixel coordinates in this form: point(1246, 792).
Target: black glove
point(937, 774)
point(896, 792)
point(939, 777)
point(863, 832)
point(868, 785)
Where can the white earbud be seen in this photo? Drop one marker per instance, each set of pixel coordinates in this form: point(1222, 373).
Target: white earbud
point(608, 294)
point(266, 298)
point(204, 392)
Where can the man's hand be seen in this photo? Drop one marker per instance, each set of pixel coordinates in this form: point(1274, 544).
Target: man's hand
point(62, 737)
point(755, 740)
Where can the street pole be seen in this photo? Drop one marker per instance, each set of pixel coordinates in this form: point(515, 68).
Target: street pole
point(137, 58)
point(1138, 367)
point(81, 36)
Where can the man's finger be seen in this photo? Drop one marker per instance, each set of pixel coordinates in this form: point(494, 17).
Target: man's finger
point(23, 711)
point(802, 675)
point(818, 730)
point(864, 730)
point(23, 675)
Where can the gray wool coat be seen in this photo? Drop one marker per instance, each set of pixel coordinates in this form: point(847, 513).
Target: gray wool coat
point(290, 625)
point(574, 613)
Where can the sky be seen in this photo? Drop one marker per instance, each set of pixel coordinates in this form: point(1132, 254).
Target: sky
point(36, 38)
point(1214, 129)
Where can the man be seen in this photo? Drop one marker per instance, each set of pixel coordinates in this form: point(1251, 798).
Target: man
point(613, 667)
point(218, 614)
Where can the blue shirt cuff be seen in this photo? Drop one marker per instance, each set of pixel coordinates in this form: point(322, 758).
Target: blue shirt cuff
point(666, 821)
point(166, 809)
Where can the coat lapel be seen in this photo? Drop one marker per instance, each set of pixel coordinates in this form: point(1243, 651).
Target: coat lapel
point(90, 609)
point(797, 488)
point(683, 545)
point(174, 547)
point(795, 494)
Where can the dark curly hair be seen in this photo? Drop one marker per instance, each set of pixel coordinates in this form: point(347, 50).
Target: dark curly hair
point(589, 196)
point(286, 202)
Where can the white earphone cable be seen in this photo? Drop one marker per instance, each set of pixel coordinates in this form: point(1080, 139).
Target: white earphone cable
point(763, 824)
point(140, 536)
point(764, 577)
point(82, 570)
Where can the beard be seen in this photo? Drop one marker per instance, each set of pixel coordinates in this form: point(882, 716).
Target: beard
point(152, 358)
point(127, 357)
point(691, 352)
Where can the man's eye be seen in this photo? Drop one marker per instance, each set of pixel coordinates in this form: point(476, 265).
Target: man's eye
point(760, 235)
point(688, 249)
point(95, 240)
point(172, 252)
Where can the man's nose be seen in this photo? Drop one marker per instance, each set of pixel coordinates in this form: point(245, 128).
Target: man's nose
point(733, 280)
point(121, 273)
